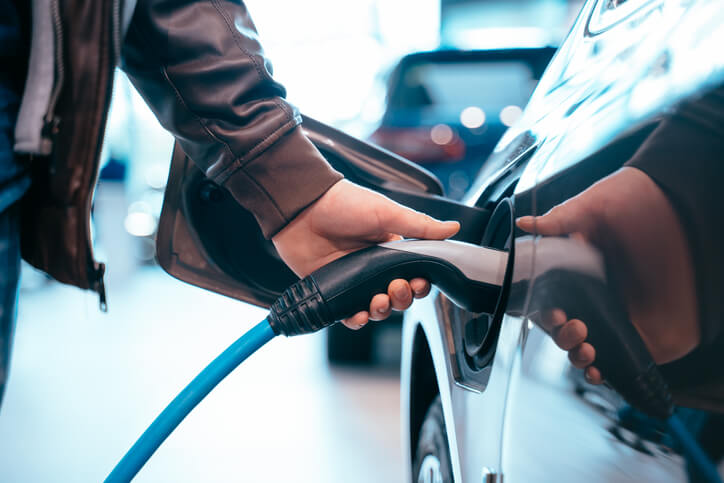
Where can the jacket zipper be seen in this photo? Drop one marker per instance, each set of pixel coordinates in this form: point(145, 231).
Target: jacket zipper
point(51, 123)
point(117, 8)
point(98, 269)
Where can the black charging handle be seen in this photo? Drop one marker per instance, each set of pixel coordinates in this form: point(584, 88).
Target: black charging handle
point(621, 355)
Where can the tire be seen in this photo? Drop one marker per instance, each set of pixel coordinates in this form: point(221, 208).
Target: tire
point(432, 457)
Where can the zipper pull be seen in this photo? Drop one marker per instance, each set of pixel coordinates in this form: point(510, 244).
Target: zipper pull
point(48, 133)
point(51, 127)
point(100, 288)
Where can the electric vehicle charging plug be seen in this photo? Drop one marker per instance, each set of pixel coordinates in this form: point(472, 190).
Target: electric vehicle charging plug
point(470, 275)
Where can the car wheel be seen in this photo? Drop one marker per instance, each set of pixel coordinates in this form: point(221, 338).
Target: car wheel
point(432, 458)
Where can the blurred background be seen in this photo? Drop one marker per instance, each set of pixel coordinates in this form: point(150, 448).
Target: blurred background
point(435, 81)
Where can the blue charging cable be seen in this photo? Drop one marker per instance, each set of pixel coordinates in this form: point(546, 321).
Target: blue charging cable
point(187, 400)
point(693, 452)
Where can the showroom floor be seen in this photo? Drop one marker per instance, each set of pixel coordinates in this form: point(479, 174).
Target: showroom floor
point(84, 385)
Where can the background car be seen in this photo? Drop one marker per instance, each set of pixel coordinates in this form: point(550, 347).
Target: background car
point(446, 109)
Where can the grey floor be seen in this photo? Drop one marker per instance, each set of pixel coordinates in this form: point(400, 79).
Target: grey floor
point(83, 385)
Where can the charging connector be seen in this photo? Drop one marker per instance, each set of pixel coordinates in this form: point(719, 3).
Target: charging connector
point(470, 275)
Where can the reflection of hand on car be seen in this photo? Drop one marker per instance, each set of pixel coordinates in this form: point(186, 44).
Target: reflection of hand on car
point(629, 218)
point(346, 218)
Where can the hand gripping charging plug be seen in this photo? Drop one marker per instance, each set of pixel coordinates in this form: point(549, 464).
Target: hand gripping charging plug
point(569, 275)
point(470, 275)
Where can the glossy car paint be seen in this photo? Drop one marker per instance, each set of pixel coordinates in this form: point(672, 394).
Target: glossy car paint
point(623, 64)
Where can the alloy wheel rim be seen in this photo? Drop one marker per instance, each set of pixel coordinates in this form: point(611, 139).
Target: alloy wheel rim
point(430, 470)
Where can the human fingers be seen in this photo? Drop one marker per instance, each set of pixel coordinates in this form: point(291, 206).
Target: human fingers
point(420, 287)
point(570, 334)
point(357, 321)
point(582, 355)
point(568, 217)
point(552, 319)
point(380, 307)
point(593, 375)
point(579, 237)
point(400, 294)
point(398, 219)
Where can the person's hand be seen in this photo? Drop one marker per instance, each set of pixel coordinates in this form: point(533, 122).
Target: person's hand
point(630, 219)
point(346, 218)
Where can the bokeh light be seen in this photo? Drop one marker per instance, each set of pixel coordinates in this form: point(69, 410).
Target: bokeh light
point(509, 115)
point(472, 117)
point(441, 134)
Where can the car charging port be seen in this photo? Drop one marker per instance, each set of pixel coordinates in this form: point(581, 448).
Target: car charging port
point(474, 335)
point(482, 331)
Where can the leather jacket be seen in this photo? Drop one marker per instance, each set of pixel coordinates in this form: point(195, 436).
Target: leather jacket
point(202, 70)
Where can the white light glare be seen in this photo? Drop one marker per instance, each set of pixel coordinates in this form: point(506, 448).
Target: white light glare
point(140, 224)
point(510, 114)
point(441, 134)
point(140, 206)
point(501, 38)
point(472, 117)
point(156, 175)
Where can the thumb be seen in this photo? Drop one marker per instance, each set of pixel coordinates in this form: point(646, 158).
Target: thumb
point(397, 219)
point(563, 219)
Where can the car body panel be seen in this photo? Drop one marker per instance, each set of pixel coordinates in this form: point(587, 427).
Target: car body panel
point(560, 426)
point(599, 86)
point(471, 447)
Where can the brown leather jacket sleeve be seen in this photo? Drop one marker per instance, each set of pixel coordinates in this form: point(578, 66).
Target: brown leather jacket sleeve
point(201, 68)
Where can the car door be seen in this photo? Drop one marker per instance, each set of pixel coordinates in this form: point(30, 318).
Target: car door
point(604, 95)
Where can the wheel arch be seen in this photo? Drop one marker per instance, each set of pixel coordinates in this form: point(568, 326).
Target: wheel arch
point(423, 386)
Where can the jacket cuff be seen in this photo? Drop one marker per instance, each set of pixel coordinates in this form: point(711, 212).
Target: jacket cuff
point(282, 181)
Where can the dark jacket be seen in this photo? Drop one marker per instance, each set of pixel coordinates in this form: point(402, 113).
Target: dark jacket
point(201, 68)
point(684, 156)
